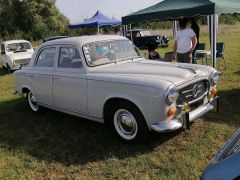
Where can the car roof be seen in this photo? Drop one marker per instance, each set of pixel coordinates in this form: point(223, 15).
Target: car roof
point(14, 41)
point(138, 30)
point(54, 38)
point(84, 39)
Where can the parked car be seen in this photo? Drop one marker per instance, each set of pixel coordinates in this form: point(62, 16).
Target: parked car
point(226, 163)
point(53, 38)
point(15, 53)
point(142, 38)
point(106, 79)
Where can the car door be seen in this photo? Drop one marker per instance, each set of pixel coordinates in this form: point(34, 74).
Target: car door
point(41, 75)
point(69, 81)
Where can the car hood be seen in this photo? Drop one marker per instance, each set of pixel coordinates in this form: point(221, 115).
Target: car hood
point(176, 73)
point(20, 55)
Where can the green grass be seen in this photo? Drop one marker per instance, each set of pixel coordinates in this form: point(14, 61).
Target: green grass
point(52, 145)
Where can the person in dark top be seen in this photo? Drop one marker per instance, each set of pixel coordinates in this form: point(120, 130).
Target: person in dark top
point(195, 27)
point(152, 53)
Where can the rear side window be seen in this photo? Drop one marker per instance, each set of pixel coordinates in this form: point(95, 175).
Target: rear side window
point(69, 58)
point(46, 58)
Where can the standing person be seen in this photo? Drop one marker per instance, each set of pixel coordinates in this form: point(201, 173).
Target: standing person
point(120, 32)
point(185, 42)
point(195, 27)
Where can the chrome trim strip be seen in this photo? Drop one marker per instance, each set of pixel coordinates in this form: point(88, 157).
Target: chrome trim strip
point(198, 99)
point(200, 111)
point(187, 91)
point(167, 127)
point(176, 123)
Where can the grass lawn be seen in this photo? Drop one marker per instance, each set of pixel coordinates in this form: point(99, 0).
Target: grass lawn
point(52, 145)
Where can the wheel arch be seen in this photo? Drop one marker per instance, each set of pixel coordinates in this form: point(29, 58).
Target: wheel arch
point(113, 100)
point(26, 89)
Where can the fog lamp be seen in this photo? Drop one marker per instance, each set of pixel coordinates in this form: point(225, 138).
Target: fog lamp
point(186, 107)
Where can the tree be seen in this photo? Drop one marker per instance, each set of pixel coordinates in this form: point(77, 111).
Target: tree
point(34, 19)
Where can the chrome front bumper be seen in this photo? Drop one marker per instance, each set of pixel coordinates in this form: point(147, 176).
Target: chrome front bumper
point(187, 118)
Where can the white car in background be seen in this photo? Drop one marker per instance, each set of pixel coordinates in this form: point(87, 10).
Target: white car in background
point(15, 53)
point(105, 79)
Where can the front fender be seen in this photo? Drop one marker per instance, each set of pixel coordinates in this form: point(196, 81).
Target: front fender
point(150, 101)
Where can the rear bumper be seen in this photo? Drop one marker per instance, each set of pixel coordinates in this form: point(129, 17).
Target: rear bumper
point(187, 118)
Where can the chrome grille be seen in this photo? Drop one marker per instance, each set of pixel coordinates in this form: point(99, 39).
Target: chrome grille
point(193, 92)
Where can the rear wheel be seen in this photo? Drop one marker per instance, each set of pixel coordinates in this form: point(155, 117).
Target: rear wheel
point(32, 102)
point(128, 122)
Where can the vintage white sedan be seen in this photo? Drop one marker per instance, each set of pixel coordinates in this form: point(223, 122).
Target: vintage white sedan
point(105, 79)
point(15, 53)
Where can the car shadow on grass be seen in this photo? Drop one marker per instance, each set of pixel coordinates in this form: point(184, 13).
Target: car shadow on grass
point(237, 72)
point(229, 108)
point(56, 137)
point(3, 71)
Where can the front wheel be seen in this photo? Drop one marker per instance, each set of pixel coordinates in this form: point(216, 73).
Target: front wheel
point(32, 102)
point(129, 123)
point(8, 68)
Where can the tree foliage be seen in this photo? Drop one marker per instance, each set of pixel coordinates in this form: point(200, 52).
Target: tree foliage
point(31, 19)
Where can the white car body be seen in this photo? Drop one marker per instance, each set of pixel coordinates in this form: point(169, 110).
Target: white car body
point(86, 91)
point(11, 59)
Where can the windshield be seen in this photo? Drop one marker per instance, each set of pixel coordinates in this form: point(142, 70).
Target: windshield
point(104, 52)
point(18, 47)
point(146, 33)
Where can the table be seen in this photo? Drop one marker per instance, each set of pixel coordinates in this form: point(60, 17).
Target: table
point(206, 54)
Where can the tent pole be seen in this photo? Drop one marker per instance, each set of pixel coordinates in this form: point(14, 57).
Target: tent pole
point(97, 29)
point(124, 30)
point(174, 28)
point(69, 32)
point(130, 28)
point(213, 39)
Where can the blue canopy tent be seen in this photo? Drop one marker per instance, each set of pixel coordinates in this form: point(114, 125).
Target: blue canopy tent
point(98, 20)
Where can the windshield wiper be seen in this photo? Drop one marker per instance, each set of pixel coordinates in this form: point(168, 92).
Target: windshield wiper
point(128, 58)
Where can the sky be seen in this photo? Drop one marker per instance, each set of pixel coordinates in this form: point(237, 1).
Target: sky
point(77, 10)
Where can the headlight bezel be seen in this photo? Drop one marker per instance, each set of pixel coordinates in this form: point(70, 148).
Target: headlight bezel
point(214, 77)
point(171, 95)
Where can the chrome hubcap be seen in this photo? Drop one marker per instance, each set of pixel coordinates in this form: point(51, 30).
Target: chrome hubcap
point(125, 124)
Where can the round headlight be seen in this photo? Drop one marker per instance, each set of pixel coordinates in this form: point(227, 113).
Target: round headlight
point(171, 95)
point(215, 76)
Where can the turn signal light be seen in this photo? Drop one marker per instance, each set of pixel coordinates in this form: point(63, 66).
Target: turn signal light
point(171, 111)
point(214, 91)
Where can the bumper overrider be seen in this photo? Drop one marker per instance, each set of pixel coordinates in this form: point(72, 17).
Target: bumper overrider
point(187, 117)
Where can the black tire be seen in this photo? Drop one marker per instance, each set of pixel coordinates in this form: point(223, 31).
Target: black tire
point(127, 110)
point(32, 103)
point(8, 68)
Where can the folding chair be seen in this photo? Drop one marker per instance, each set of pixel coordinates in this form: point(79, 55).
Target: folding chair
point(220, 54)
point(168, 57)
point(198, 56)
